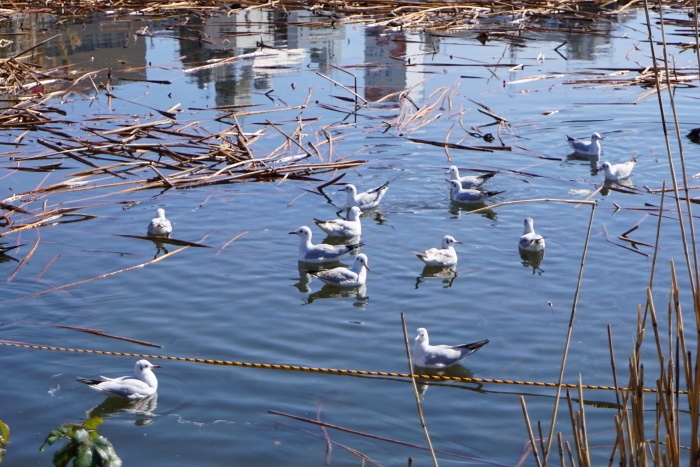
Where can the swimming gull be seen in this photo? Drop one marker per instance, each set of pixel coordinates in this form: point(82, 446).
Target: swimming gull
point(160, 226)
point(615, 172)
point(143, 384)
point(440, 356)
point(531, 241)
point(444, 256)
point(354, 276)
point(366, 200)
point(469, 181)
point(341, 227)
point(585, 147)
point(320, 253)
point(461, 195)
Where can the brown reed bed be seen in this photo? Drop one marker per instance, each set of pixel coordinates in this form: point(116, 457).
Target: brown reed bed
point(665, 430)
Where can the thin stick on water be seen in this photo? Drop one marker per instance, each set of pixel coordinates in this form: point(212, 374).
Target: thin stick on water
point(415, 390)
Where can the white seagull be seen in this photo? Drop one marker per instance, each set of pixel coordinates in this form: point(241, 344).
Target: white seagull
point(585, 148)
point(530, 241)
point(160, 226)
point(616, 172)
point(442, 257)
point(341, 227)
point(355, 275)
point(440, 356)
point(320, 253)
point(469, 181)
point(367, 200)
point(461, 195)
point(143, 384)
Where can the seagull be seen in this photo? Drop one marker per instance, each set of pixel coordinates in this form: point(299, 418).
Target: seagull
point(160, 226)
point(440, 356)
point(321, 253)
point(143, 384)
point(530, 241)
point(367, 200)
point(615, 172)
point(469, 181)
point(585, 148)
point(354, 276)
point(341, 227)
point(461, 195)
point(444, 256)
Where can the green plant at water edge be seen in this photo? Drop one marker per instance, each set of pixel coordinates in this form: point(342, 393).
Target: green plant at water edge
point(4, 435)
point(85, 446)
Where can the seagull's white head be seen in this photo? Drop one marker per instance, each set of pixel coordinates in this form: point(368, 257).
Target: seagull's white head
point(355, 213)
point(142, 365)
point(303, 232)
point(529, 225)
point(606, 167)
point(422, 335)
point(454, 172)
point(455, 184)
point(596, 136)
point(350, 188)
point(362, 260)
point(161, 213)
point(448, 240)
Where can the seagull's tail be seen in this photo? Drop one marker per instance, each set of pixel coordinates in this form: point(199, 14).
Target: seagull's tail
point(89, 382)
point(355, 246)
point(486, 176)
point(474, 346)
point(494, 193)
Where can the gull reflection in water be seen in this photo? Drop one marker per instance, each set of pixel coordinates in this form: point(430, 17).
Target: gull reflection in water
point(447, 274)
point(594, 160)
point(532, 259)
point(457, 371)
point(144, 409)
point(624, 183)
point(160, 246)
point(333, 291)
point(457, 208)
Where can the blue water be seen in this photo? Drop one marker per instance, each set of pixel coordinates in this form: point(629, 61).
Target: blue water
point(247, 302)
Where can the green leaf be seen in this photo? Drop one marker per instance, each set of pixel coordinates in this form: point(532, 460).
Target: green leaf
point(84, 455)
point(60, 432)
point(106, 455)
point(4, 432)
point(92, 423)
point(64, 455)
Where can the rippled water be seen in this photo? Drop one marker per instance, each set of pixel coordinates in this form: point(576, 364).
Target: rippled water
point(249, 302)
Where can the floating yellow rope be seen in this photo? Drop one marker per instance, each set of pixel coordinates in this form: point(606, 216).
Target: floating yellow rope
point(333, 371)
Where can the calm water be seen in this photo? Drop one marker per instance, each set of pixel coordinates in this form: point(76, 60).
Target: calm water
point(248, 302)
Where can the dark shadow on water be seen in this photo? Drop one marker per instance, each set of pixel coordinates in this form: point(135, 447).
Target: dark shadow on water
point(446, 274)
point(144, 409)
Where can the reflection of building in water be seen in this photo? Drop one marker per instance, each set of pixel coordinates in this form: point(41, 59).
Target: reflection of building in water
point(384, 52)
point(388, 54)
point(85, 44)
point(244, 32)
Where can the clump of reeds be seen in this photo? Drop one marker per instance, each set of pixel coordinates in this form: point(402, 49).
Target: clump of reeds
point(658, 418)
